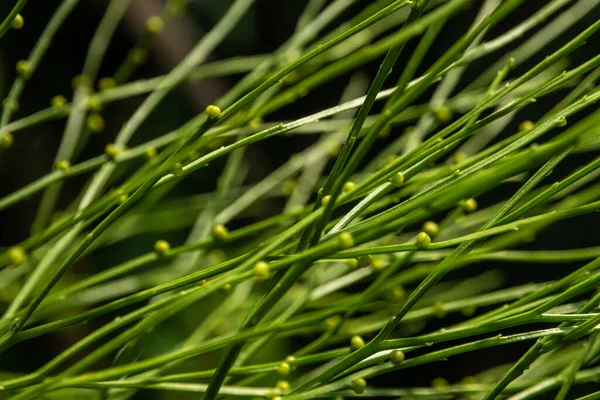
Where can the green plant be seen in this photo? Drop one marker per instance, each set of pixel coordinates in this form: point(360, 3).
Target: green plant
point(374, 242)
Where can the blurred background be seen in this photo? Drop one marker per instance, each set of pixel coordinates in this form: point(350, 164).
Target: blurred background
point(261, 31)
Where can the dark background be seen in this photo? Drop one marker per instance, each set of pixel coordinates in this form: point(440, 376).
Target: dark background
point(263, 29)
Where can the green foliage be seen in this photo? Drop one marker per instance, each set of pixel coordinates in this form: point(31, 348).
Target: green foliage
point(351, 279)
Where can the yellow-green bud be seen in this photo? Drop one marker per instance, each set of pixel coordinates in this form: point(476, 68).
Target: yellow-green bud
point(150, 152)
point(255, 123)
point(80, 80)
point(217, 256)
point(290, 359)
point(398, 179)
point(177, 169)
point(396, 357)
point(439, 383)
point(345, 240)
point(359, 385)
point(325, 200)
point(284, 369)
point(261, 270)
point(333, 321)
point(63, 165)
point(175, 6)
point(288, 186)
point(423, 239)
point(226, 288)
point(333, 150)
point(290, 78)
point(356, 342)
point(284, 386)
point(162, 247)
point(94, 103)
point(112, 150)
point(24, 68)
point(397, 294)
point(467, 311)
point(364, 261)
point(58, 101)
point(17, 22)
point(95, 123)
point(220, 231)
point(106, 83)
point(352, 263)
point(137, 55)
point(460, 157)
point(155, 25)
point(439, 309)
point(390, 159)
point(526, 126)
point(213, 111)
point(6, 140)
point(443, 114)
point(17, 256)
point(468, 205)
point(348, 186)
point(431, 228)
point(378, 264)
